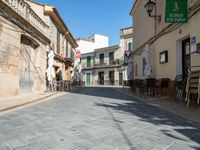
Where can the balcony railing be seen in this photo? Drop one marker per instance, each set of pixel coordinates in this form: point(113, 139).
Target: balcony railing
point(107, 82)
point(24, 10)
point(85, 66)
point(114, 63)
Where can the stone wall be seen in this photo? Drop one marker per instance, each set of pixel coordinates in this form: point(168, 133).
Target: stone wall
point(10, 45)
point(9, 58)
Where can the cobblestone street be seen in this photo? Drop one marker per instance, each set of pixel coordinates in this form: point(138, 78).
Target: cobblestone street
point(96, 118)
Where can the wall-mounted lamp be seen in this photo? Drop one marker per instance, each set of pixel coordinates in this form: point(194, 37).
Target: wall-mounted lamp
point(149, 8)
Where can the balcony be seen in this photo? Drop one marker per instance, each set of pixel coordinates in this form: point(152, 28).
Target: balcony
point(107, 82)
point(85, 66)
point(115, 63)
point(23, 9)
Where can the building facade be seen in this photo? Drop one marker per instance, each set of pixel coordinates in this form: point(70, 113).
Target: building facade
point(26, 35)
point(126, 45)
point(87, 45)
point(164, 50)
point(102, 67)
point(23, 45)
point(62, 42)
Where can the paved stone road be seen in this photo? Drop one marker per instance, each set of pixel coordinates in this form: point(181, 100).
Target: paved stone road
point(96, 119)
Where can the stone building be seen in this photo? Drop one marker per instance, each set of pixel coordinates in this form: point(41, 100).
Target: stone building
point(25, 39)
point(126, 45)
point(164, 49)
point(62, 41)
point(101, 67)
point(23, 45)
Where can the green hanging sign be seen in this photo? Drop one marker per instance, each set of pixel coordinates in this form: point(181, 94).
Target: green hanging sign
point(176, 11)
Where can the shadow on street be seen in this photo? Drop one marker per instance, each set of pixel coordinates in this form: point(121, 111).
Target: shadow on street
point(106, 92)
point(146, 113)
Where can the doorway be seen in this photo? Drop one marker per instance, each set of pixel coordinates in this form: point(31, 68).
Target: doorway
point(101, 78)
point(111, 77)
point(120, 78)
point(186, 60)
point(26, 66)
point(88, 78)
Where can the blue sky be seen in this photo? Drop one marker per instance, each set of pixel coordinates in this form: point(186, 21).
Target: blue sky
point(85, 17)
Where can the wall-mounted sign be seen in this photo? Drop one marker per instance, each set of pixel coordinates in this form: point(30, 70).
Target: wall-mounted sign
point(193, 40)
point(193, 44)
point(78, 54)
point(164, 57)
point(176, 11)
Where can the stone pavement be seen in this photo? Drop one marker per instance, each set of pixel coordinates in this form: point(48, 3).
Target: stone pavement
point(9, 103)
point(169, 104)
point(96, 119)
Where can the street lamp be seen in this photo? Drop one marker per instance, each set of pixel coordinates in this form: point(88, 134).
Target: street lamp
point(149, 8)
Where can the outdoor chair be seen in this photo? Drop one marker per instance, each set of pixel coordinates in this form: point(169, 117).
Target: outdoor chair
point(139, 86)
point(193, 86)
point(150, 86)
point(180, 83)
point(128, 83)
point(67, 85)
point(125, 83)
point(60, 85)
point(131, 84)
point(55, 85)
point(163, 85)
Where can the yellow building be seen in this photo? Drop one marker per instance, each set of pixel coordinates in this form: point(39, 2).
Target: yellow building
point(167, 49)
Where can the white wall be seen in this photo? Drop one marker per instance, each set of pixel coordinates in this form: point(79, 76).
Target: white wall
point(122, 46)
point(129, 68)
point(100, 41)
point(85, 46)
point(94, 42)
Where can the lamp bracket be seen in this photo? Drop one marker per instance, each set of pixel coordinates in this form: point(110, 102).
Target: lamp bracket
point(157, 17)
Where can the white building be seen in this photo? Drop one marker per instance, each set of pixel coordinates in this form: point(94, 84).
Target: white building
point(95, 41)
point(102, 66)
point(126, 52)
point(88, 45)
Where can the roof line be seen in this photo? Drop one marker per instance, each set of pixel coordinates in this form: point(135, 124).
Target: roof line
point(109, 47)
point(126, 28)
point(36, 3)
point(136, 1)
point(57, 13)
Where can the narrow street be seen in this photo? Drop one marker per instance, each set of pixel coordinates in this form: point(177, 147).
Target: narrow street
point(96, 119)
